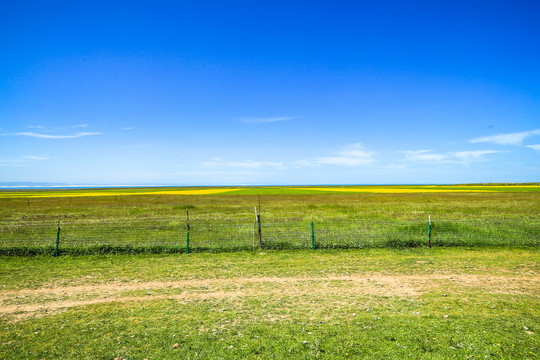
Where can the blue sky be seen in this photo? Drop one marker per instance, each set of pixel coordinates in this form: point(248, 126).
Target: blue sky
point(269, 92)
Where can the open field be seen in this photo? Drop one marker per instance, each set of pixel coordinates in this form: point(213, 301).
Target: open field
point(413, 302)
point(154, 219)
point(445, 303)
point(319, 203)
point(269, 190)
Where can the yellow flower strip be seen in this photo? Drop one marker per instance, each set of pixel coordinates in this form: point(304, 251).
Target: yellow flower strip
point(87, 193)
point(390, 190)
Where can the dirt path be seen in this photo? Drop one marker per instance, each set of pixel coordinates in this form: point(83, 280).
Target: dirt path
point(20, 304)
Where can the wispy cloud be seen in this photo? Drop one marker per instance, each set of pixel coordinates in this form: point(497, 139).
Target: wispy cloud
point(127, 128)
point(30, 157)
point(305, 163)
point(265, 120)
point(459, 157)
point(36, 127)
point(20, 161)
point(80, 126)
point(47, 136)
point(249, 164)
point(422, 155)
point(351, 155)
point(256, 164)
point(534, 147)
point(12, 162)
point(471, 156)
point(507, 139)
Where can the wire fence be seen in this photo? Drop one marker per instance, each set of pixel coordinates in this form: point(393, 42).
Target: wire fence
point(172, 235)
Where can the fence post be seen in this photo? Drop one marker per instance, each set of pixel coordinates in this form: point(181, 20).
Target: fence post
point(429, 231)
point(258, 218)
point(253, 233)
point(57, 239)
point(312, 237)
point(259, 223)
point(187, 235)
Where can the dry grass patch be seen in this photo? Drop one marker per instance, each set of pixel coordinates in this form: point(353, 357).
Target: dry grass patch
point(26, 303)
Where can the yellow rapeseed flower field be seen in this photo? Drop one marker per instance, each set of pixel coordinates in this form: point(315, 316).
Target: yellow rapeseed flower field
point(390, 190)
point(87, 193)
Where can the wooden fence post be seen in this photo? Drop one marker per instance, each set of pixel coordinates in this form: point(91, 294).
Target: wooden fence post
point(187, 235)
point(57, 238)
point(258, 219)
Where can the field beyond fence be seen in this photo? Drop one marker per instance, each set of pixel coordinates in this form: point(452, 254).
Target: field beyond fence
point(171, 235)
point(222, 219)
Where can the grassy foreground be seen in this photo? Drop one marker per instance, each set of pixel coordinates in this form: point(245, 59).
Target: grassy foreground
point(420, 303)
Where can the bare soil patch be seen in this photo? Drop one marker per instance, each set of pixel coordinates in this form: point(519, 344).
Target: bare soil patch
point(21, 304)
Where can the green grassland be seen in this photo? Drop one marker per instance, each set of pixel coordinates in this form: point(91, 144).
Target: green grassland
point(369, 303)
point(276, 203)
point(445, 303)
point(271, 190)
point(154, 219)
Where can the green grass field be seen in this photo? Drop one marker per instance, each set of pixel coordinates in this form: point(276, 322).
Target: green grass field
point(439, 303)
point(357, 304)
point(318, 203)
point(154, 219)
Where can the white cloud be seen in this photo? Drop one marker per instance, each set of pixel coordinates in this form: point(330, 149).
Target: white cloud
point(36, 127)
point(45, 136)
point(351, 155)
point(36, 157)
point(21, 161)
point(128, 128)
point(304, 163)
point(422, 155)
point(13, 162)
point(507, 139)
point(396, 166)
point(470, 156)
point(346, 160)
point(249, 164)
point(459, 157)
point(80, 126)
point(255, 164)
point(265, 120)
point(534, 147)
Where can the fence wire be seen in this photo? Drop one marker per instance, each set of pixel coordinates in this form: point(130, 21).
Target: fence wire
point(172, 234)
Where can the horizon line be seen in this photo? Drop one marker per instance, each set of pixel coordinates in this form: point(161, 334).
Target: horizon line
point(105, 186)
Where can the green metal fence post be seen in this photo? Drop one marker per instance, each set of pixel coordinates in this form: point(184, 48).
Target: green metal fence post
point(57, 239)
point(312, 237)
point(429, 231)
point(187, 243)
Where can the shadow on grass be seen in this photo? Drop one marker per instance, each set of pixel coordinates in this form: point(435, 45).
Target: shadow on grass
point(392, 243)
